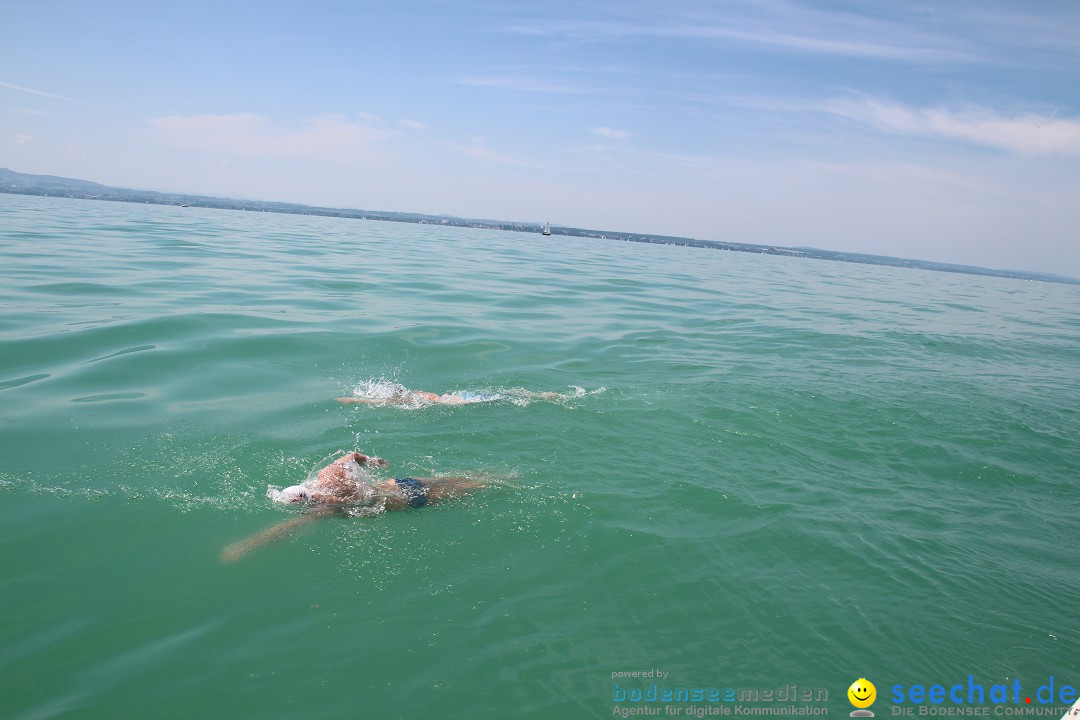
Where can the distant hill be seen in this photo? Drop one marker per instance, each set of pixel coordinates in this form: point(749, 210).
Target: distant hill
point(52, 186)
point(11, 181)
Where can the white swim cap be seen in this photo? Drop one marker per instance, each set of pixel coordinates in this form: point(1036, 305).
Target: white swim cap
point(291, 494)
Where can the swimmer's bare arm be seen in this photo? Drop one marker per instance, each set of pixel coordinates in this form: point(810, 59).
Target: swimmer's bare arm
point(361, 460)
point(237, 550)
point(548, 395)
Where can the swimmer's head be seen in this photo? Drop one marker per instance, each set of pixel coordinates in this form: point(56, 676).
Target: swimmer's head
point(292, 494)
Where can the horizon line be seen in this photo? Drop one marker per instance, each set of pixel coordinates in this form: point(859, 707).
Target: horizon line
point(522, 226)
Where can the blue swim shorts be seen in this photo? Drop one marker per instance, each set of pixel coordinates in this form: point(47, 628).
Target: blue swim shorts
point(414, 491)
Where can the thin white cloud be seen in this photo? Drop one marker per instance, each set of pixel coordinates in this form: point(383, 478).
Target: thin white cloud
point(769, 24)
point(478, 149)
point(612, 133)
point(32, 91)
point(20, 139)
point(1027, 134)
point(880, 48)
point(524, 84)
point(1040, 31)
point(412, 125)
point(331, 137)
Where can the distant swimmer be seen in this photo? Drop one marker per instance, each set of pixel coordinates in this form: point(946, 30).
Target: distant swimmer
point(344, 486)
point(386, 394)
point(421, 397)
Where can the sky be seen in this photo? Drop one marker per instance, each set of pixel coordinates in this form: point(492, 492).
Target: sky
point(945, 130)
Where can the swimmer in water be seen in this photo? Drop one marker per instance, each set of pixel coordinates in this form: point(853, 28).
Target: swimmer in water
point(401, 395)
point(343, 484)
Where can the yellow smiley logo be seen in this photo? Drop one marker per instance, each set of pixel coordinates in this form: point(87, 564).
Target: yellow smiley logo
point(862, 693)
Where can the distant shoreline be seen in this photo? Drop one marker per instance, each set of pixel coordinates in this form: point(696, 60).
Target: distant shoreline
point(16, 183)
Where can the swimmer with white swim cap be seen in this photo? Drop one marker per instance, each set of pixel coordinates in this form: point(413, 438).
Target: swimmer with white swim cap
point(292, 494)
point(344, 483)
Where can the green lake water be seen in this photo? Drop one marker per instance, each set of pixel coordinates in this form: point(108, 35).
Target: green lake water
point(765, 471)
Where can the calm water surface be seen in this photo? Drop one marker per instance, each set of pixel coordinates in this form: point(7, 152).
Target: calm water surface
point(776, 471)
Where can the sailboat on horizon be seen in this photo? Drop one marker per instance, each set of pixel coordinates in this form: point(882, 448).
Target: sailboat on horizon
point(547, 229)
